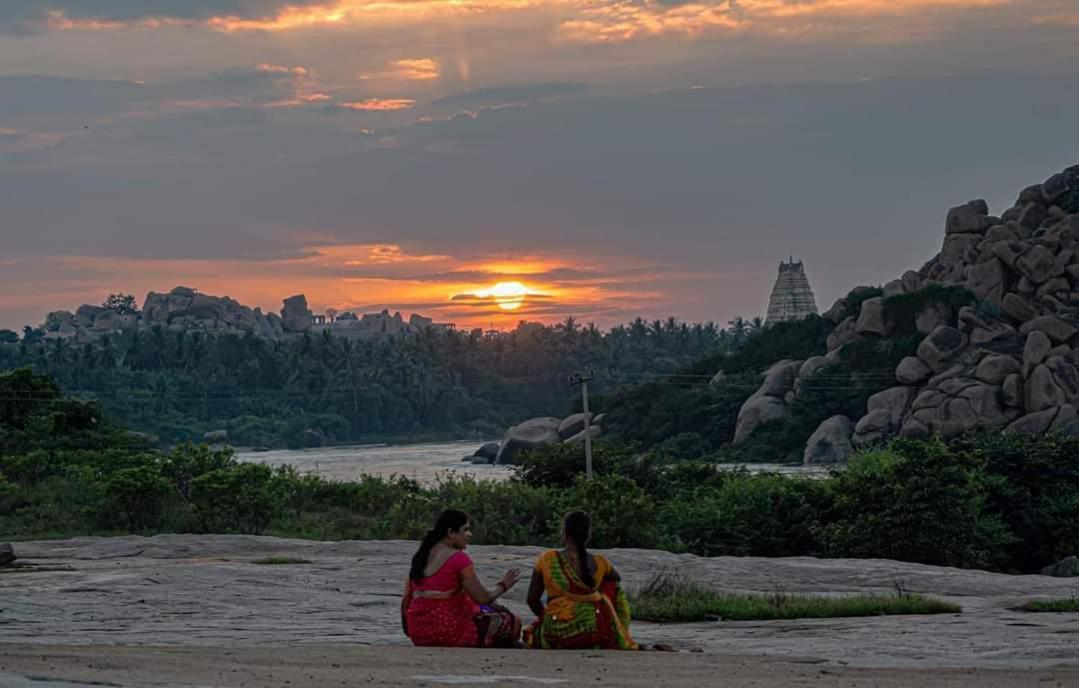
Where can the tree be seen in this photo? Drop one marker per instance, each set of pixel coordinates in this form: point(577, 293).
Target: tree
point(121, 304)
point(8, 337)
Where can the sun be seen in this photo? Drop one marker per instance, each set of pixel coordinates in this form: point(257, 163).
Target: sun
point(508, 295)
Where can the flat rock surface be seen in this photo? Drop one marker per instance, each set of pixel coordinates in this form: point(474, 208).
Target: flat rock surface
point(207, 590)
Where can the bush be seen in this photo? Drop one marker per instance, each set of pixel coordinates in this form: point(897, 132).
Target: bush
point(622, 514)
point(749, 515)
point(243, 497)
point(558, 465)
point(139, 494)
point(915, 501)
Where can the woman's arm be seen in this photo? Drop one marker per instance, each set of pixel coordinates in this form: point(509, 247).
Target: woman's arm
point(406, 600)
point(535, 594)
point(482, 595)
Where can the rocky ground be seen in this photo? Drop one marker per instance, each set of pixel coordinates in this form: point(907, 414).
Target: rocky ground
point(198, 610)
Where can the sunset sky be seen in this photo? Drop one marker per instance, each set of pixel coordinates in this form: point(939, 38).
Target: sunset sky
point(614, 158)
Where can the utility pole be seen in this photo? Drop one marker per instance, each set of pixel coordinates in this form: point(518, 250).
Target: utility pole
point(582, 380)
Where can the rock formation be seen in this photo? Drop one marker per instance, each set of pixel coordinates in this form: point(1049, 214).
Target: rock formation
point(1011, 361)
point(538, 432)
point(792, 298)
point(184, 308)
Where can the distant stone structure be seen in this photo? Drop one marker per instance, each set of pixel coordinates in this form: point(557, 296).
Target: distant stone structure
point(792, 298)
point(184, 309)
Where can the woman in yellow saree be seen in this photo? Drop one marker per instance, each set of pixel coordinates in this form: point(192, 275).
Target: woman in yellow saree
point(586, 607)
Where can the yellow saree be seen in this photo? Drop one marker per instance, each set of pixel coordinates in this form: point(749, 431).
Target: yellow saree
point(579, 616)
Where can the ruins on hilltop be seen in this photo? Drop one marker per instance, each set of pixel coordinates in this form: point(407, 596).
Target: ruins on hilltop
point(184, 309)
point(792, 297)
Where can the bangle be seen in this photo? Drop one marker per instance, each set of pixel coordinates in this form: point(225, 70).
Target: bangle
point(500, 584)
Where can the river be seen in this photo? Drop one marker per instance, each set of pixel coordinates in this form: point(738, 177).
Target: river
point(424, 462)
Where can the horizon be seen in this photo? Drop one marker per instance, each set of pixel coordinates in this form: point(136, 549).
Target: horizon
point(601, 160)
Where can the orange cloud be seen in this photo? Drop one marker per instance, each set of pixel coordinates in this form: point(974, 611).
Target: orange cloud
point(359, 277)
point(422, 69)
point(380, 104)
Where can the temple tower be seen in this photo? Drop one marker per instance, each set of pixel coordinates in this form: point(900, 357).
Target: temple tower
point(792, 298)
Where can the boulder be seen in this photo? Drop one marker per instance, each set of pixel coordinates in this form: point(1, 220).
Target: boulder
point(871, 318)
point(986, 280)
point(830, 442)
point(779, 378)
point(1035, 350)
point(86, 314)
point(1042, 391)
point(533, 433)
point(488, 451)
point(7, 555)
point(875, 426)
point(756, 411)
point(1060, 419)
point(844, 333)
point(993, 369)
point(939, 346)
point(1059, 185)
point(967, 218)
point(593, 431)
point(1011, 391)
point(1068, 567)
point(911, 371)
point(1057, 329)
point(1018, 307)
point(571, 425)
point(216, 437)
point(1057, 287)
point(1031, 194)
point(960, 249)
point(1038, 264)
point(894, 401)
point(295, 315)
point(1032, 215)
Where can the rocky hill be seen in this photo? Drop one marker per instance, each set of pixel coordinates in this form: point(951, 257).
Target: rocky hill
point(186, 309)
point(1007, 358)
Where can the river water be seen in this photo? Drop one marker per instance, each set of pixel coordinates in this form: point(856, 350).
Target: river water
point(425, 462)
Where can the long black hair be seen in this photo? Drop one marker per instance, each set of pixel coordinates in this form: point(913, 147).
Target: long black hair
point(579, 527)
point(450, 519)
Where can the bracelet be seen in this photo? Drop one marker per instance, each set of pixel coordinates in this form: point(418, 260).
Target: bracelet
point(499, 584)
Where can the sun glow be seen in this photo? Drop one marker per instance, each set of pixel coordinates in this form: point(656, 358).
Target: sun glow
point(508, 295)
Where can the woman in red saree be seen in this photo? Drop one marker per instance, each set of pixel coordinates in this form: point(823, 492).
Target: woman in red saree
point(444, 603)
point(586, 607)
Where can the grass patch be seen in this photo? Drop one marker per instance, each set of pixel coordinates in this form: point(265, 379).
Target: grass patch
point(1066, 604)
point(671, 597)
point(280, 561)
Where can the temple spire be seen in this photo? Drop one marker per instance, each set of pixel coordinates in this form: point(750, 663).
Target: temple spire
point(792, 298)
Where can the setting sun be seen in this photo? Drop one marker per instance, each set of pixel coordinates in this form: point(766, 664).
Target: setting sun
point(508, 295)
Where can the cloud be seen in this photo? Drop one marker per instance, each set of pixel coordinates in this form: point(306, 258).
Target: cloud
point(419, 69)
point(504, 95)
point(378, 104)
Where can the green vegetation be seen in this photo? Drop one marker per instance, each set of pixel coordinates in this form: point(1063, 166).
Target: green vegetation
point(993, 501)
point(1066, 604)
point(321, 388)
point(669, 597)
point(280, 561)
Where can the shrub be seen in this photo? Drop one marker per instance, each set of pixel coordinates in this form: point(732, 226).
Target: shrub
point(558, 465)
point(622, 514)
point(915, 501)
point(749, 515)
point(189, 461)
point(242, 497)
point(139, 494)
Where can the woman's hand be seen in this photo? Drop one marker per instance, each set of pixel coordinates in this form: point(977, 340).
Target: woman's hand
point(510, 579)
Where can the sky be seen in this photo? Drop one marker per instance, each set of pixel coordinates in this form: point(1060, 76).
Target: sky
point(601, 159)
